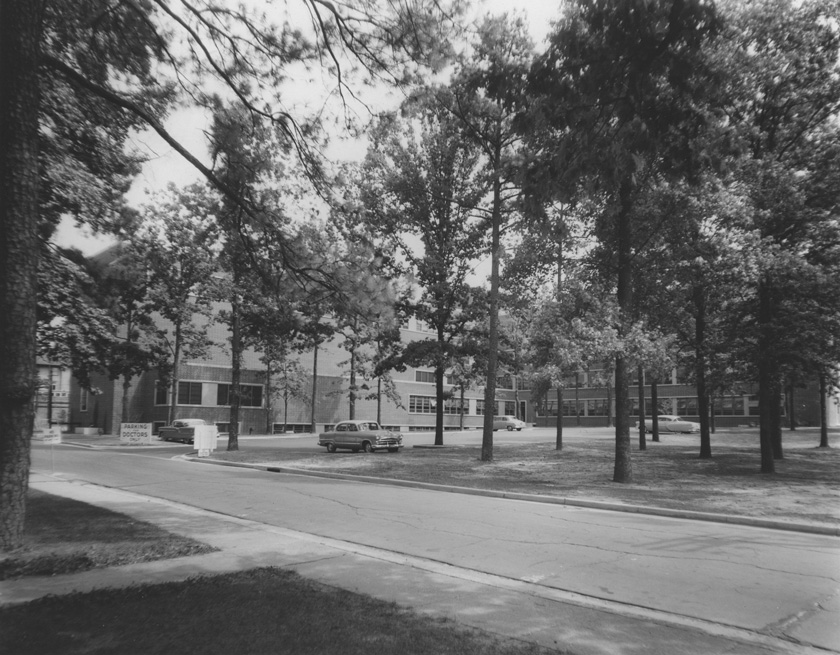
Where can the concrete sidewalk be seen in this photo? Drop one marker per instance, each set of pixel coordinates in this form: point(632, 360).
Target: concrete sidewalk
point(509, 607)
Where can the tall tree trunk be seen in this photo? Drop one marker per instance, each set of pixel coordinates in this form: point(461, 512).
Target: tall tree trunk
point(493, 345)
point(21, 24)
point(823, 411)
point(654, 410)
point(642, 440)
point(792, 405)
point(379, 400)
point(700, 370)
point(766, 374)
point(269, 422)
point(711, 414)
point(461, 409)
point(236, 373)
point(176, 373)
point(776, 417)
point(126, 385)
point(623, 467)
point(352, 394)
point(558, 442)
point(126, 388)
point(313, 428)
point(439, 392)
point(285, 411)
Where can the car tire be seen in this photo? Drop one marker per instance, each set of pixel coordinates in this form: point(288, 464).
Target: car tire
point(510, 428)
point(330, 447)
point(368, 446)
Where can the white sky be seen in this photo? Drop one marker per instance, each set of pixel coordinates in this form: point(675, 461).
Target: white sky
point(165, 165)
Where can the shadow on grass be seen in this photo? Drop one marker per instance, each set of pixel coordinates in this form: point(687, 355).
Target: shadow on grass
point(62, 535)
point(258, 611)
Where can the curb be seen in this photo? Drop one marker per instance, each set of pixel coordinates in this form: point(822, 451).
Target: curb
point(770, 524)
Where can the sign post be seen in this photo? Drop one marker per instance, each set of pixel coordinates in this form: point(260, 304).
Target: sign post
point(135, 434)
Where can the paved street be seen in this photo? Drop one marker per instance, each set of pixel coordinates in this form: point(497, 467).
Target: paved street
point(721, 576)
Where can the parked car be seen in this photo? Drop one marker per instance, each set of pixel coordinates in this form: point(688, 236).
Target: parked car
point(182, 429)
point(507, 423)
point(360, 435)
point(671, 423)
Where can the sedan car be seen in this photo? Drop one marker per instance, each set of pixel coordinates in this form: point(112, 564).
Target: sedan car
point(181, 430)
point(508, 423)
point(360, 435)
point(671, 423)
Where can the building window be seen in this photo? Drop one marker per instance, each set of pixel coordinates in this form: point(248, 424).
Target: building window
point(424, 376)
point(687, 407)
point(729, 406)
point(428, 404)
point(479, 407)
point(297, 428)
point(161, 393)
point(83, 400)
point(634, 409)
point(597, 407)
point(189, 393)
point(550, 408)
point(250, 395)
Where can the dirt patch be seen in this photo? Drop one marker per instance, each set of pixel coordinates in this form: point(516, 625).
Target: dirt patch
point(669, 474)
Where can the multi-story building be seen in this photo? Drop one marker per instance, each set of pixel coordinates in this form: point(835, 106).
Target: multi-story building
point(204, 388)
point(587, 401)
point(204, 392)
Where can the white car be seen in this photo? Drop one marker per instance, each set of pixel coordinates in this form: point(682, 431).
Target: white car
point(507, 423)
point(671, 423)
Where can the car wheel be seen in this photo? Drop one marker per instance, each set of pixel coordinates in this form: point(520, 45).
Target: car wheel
point(368, 446)
point(510, 428)
point(519, 429)
point(330, 447)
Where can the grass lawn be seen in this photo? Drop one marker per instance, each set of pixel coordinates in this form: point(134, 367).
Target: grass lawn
point(670, 474)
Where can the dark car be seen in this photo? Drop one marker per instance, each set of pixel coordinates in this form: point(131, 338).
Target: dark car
point(181, 430)
point(360, 435)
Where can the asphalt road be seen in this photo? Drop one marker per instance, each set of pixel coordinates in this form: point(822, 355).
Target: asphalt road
point(754, 579)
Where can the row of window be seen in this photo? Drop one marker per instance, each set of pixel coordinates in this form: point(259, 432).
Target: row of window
point(726, 406)
point(201, 393)
point(503, 382)
point(428, 405)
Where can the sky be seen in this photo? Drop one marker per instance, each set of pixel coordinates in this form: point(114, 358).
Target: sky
point(165, 166)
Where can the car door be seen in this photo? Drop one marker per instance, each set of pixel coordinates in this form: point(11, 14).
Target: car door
point(341, 434)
